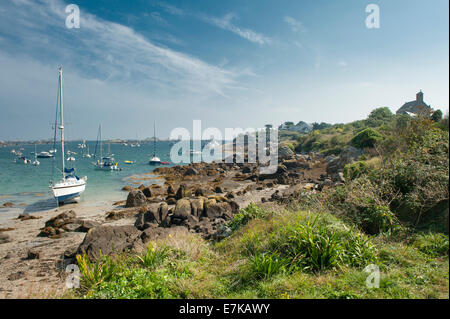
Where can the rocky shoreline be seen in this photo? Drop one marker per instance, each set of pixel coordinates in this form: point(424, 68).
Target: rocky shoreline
point(199, 198)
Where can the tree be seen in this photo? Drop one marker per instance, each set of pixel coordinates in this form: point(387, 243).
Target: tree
point(379, 116)
point(436, 116)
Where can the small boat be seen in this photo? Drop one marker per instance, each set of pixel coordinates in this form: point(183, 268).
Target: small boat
point(45, 155)
point(22, 160)
point(53, 151)
point(106, 163)
point(155, 160)
point(82, 144)
point(70, 187)
point(165, 163)
point(13, 151)
point(87, 154)
point(129, 162)
point(35, 162)
point(71, 159)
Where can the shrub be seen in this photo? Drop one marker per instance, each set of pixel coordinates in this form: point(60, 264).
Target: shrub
point(436, 116)
point(432, 244)
point(154, 256)
point(353, 170)
point(366, 138)
point(94, 273)
point(319, 244)
point(252, 211)
point(376, 219)
point(379, 116)
point(265, 265)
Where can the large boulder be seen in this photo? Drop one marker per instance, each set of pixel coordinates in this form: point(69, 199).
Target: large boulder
point(147, 192)
point(181, 192)
point(136, 198)
point(105, 240)
point(197, 206)
point(148, 217)
point(219, 210)
point(182, 209)
point(336, 165)
point(350, 154)
point(285, 153)
point(190, 171)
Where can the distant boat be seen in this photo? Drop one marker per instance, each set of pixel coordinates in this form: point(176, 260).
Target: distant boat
point(154, 160)
point(105, 163)
point(71, 159)
point(35, 162)
point(44, 155)
point(22, 160)
point(129, 162)
point(82, 144)
point(88, 155)
point(70, 187)
point(53, 151)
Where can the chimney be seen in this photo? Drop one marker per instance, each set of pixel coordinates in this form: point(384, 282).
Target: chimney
point(419, 97)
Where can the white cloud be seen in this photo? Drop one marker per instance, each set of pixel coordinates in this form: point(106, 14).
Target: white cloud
point(222, 23)
point(106, 50)
point(296, 26)
point(226, 24)
point(171, 9)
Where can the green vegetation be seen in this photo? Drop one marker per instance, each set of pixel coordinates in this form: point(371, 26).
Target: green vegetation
point(288, 254)
point(391, 212)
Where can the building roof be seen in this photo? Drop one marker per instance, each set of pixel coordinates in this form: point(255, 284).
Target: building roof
point(416, 106)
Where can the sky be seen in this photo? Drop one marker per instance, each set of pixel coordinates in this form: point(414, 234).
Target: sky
point(228, 63)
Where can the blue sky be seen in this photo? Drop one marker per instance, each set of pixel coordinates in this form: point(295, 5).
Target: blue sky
point(234, 63)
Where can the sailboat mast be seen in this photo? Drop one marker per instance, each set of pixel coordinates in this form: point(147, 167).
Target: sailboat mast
point(154, 138)
point(101, 145)
point(61, 127)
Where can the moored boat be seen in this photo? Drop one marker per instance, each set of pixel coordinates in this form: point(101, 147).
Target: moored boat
point(70, 187)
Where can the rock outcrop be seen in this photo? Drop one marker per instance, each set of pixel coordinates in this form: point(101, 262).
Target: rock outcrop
point(136, 198)
point(105, 240)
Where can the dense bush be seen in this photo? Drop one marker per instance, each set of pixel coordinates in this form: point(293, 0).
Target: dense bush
point(366, 138)
point(376, 219)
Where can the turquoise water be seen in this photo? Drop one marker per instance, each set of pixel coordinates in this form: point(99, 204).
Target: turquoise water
point(27, 185)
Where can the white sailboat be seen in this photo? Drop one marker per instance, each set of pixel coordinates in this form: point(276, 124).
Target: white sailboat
point(155, 160)
point(88, 155)
point(105, 163)
point(70, 187)
point(35, 162)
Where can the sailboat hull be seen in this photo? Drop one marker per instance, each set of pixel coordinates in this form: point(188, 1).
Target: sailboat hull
point(68, 191)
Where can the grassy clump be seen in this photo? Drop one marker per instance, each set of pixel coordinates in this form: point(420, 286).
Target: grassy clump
point(252, 211)
point(432, 244)
point(308, 242)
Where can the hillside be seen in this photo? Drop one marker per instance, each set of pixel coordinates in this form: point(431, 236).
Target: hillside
point(391, 212)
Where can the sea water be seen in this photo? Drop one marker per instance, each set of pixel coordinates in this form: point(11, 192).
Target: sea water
point(27, 186)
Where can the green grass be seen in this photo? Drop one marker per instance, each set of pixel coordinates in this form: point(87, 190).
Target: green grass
point(290, 254)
